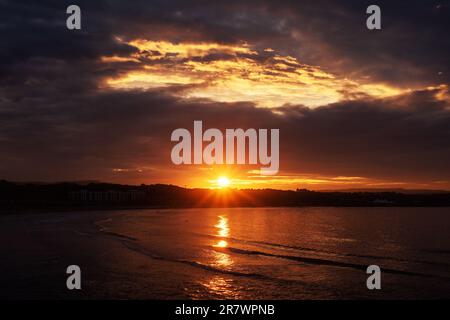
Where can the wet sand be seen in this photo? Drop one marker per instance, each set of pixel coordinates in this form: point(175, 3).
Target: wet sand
point(37, 248)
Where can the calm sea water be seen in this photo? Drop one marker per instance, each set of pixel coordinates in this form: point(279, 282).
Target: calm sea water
point(287, 253)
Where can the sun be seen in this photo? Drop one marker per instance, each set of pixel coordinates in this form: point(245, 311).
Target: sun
point(223, 182)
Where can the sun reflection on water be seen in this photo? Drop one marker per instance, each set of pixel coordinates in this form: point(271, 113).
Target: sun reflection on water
point(222, 286)
point(223, 231)
point(221, 244)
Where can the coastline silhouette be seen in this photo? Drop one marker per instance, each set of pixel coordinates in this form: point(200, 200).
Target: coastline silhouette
point(69, 195)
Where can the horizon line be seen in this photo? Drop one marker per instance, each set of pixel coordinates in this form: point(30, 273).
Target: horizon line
point(344, 190)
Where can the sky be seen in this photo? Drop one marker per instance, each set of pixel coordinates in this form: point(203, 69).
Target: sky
point(356, 108)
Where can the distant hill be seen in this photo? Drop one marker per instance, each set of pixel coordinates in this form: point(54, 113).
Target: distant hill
point(397, 190)
point(70, 195)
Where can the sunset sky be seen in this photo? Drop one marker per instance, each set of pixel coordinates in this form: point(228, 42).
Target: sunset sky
point(356, 108)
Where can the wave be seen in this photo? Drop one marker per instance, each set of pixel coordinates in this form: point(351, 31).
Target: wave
point(196, 264)
point(104, 230)
point(136, 247)
point(337, 254)
point(132, 244)
point(333, 263)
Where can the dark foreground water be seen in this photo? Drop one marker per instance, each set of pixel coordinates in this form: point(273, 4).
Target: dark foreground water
point(239, 253)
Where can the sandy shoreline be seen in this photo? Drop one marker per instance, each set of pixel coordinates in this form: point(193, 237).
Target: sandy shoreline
point(36, 250)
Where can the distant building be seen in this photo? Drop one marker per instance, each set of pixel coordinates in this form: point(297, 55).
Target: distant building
point(383, 201)
point(107, 196)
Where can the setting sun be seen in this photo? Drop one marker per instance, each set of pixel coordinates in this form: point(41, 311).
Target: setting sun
point(223, 182)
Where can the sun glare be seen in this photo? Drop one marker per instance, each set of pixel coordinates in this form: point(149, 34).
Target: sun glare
point(223, 182)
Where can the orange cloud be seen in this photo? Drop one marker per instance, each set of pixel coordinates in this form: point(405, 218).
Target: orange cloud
point(230, 73)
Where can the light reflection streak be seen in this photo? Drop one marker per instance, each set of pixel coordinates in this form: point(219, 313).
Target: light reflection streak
point(223, 232)
point(220, 285)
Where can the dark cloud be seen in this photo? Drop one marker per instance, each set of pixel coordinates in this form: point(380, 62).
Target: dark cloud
point(412, 48)
point(402, 139)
